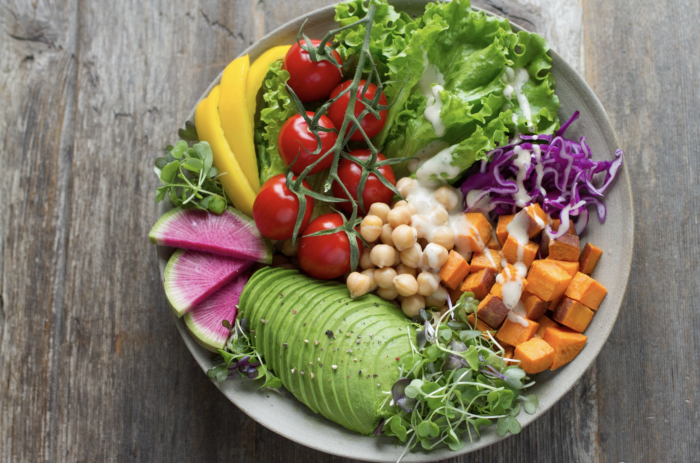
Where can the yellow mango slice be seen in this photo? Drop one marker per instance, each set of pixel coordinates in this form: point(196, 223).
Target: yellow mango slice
point(256, 75)
point(209, 129)
point(238, 128)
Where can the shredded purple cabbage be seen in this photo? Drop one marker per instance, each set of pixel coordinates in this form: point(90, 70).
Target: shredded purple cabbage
point(560, 178)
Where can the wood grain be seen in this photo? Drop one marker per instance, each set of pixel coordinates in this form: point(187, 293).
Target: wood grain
point(91, 367)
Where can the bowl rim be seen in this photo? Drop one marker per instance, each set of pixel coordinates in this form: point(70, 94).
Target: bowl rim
point(599, 115)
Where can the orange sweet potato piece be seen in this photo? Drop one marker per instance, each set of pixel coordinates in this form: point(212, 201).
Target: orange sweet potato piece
point(589, 258)
point(567, 247)
point(535, 307)
point(586, 290)
point(480, 261)
point(547, 281)
point(566, 343)
point(509, 274)
point(480, 325)
point(480, 283)
point(492, 311)
point(535, 355)
point(569, 267)
point(477, 235)
point(508, 353)
point(537, 219)
point(503, 222)
point(571, 230)
point(454, 294)
point(510, 251)
point(545, 322)
point(572, 314)
point(493, 243)
point(514, 333)
point(454, 271)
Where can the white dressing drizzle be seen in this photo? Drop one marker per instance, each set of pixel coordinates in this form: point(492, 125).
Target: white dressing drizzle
point(440, 166)
point(522, 162)
point(432, 110)
point(431, 75)
point(515, 78)
point(427, 152)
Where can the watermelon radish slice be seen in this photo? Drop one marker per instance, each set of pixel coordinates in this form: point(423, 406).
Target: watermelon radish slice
point(204, 321)
point(192, 276)
point(230, 234)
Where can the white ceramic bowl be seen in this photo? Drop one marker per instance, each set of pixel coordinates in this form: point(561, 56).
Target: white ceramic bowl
point(283, 414)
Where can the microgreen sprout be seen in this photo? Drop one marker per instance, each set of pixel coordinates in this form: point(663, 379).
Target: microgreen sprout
point(460, 382)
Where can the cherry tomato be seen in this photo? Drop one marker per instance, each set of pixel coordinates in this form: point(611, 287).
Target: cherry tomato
point(275, 209)
point(326, 256)
point(371, 125)
point(374, 191)
point(311, 81)
point(295, 138)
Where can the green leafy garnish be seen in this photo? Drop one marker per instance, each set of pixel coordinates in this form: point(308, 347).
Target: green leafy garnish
point(188, 175)
point(460, 382)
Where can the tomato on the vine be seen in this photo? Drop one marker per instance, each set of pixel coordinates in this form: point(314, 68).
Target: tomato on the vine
point(275, 209)
point(311, 80)
point(326, 256)
point(371, 125)
point(374, 191)
point(295, 138)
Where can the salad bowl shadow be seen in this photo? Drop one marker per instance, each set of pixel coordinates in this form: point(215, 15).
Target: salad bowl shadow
point(283, 414)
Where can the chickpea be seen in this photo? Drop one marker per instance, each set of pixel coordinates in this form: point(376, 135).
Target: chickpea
point(430, 301)
point(384, 277)
point(365, 260)
point(371, 228)
point(406, 270)
point(439, 216)
point(404, 237)
point(387, 293)
point(427, 283)
point(444, 237)
point(405, 185)
point(358, 284)
point(386, 235)
point(447, 196)
point(289, 250)
point(406, 285)
point(397, 259)
point(421, 224)
point(372, 284)
point(399, 216)
point(382, 255)
point(380, 210)
point(411, 257)
point(440, 294)
point(401, 203)
point(436, 255)
point(411, 305)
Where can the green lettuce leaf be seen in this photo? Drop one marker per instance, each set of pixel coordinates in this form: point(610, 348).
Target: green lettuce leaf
point(472, 51)
point(277, 107)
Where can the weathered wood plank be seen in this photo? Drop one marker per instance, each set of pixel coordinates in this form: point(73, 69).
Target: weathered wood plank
point(641, 59)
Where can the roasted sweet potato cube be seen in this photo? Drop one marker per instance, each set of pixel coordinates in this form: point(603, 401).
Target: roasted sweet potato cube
point(480, 260)
point(475, 232)
point(454, 271)
point(566, 247)
point(514, 333)
point(480, 283)
point(589, 258)
point(497, 288)
point(547, 281)
point(510, 251)
point(545, 322)
point(535, 355)
point(569, 267)
point(535, 308)
point(493, 243)
point(508, 353)
point(586, 290)
point(480, 325)
point(492, 311)
point(566, 343)
point(508, 274)
point(537, 219)
point(571, 230)
point(503, 222)
point(454, 294)
point(572, 314)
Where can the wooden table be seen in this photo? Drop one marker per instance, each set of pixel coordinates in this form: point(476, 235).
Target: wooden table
point(91, 366)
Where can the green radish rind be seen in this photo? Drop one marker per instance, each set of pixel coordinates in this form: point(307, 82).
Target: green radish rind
point(245, 226)
point(351, 399)
point(178, 276)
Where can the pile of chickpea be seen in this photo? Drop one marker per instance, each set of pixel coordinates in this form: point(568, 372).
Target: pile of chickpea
point(406, 251)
